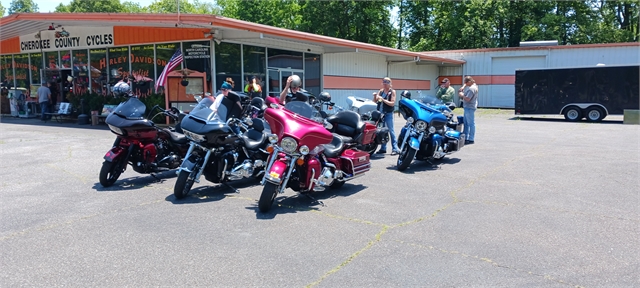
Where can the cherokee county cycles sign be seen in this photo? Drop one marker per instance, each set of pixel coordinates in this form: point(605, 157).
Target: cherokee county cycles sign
point(69, 38)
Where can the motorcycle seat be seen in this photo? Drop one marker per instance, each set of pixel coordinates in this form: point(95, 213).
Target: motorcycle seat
point(346, 123)
point(333, 149)
point(176, 137)
point(253, 139)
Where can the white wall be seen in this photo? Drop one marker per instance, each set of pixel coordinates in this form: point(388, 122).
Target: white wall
point(354, 64)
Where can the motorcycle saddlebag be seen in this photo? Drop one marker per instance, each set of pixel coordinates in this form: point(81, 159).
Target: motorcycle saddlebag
point(382, 135)
point(369, 133)
point(355, 162)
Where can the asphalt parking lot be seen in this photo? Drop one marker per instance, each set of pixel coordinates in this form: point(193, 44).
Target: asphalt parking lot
point(534, 202)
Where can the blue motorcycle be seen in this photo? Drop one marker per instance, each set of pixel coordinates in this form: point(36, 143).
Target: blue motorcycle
point(431, 131)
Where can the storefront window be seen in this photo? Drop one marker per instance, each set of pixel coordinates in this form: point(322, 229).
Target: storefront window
point(197, 56)
point(284, 59)
point(142, 69)
point(312, 72)
point(164, 52)
point(118, 64)
point(52, 58)
point(22, 71)
point(80, 71)
point(6, 74)
point(228, 65)
point(98, 70)
point(254, 67)
point(36, 65)
point(65, 59)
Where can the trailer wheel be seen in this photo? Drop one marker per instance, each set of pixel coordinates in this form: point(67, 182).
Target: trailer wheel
point(595, 114)
point(573, 113)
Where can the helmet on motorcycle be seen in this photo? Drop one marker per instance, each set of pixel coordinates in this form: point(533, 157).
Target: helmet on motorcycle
point(406, 94)
point(295, 81)
point(121, 89)
point(324, 97)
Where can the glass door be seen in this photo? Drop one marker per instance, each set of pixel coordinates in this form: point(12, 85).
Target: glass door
point(277, 79)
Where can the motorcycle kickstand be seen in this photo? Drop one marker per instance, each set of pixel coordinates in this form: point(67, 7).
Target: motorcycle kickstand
point(314, 199)
point(231, 187)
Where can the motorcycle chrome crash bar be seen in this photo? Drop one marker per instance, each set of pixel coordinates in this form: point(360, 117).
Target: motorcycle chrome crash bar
point(286, 179)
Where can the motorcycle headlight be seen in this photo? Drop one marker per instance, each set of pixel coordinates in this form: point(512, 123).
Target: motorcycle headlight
point(304, 150)
point(421, 125)
point(273, 138)
point(116, 130)
point(288, 144)
point(410, 120)
point(432, 129)
point(193, 136)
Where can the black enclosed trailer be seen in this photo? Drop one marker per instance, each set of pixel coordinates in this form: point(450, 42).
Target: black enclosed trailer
point(577, 93)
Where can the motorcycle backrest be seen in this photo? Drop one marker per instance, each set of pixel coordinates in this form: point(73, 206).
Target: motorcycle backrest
point(346, 123)
point(376, 115)
point(230, 107)
point(259, 103)
point(258, 124)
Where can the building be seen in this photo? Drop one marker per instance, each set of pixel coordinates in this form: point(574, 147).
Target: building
point(494, 69)
point(95, 50)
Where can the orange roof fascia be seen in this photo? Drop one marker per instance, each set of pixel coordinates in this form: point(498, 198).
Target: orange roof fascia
point(126, 35)
point(216, 21)
point(10, 46)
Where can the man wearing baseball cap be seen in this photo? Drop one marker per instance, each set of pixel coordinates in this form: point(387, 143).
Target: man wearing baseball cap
point(445, 91)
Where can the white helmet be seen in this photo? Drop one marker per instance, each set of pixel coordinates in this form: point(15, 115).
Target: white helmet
point(121, 89)
point(295, 81)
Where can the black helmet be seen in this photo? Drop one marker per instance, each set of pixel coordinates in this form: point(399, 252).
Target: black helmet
point(324, 97)
point(406, 94)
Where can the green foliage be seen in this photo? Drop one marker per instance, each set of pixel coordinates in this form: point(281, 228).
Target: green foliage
point(132, 7)
point(186, 6)
point(2, 9)
point(22, 6)
point(84, 6)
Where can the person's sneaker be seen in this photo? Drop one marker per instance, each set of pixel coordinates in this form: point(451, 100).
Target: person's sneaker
point(381, 151)
point(395, 152)
point(467, 142)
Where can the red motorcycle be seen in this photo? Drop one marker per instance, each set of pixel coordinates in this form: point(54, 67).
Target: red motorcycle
point(305, 156)
point(140, 143)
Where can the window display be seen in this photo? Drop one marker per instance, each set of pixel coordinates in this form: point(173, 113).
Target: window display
point(142, 69)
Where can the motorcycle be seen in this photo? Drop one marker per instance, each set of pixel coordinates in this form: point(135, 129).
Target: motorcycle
point(305, 156)
point(368, 111)
point(217, 149)
point(430, 131)
point(140, 143)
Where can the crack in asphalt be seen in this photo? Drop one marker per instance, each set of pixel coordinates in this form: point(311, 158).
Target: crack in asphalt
point(487, 260)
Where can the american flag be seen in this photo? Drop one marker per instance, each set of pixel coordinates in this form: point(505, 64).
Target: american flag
point(173, 63)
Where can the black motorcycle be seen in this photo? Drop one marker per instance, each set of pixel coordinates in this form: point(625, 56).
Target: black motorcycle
point(140, 143)
point(219, 149)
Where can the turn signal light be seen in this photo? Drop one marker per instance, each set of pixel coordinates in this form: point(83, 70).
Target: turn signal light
point(300, 161)
point(270, 149)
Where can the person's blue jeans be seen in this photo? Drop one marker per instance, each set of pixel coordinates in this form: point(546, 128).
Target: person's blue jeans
point(388, 121)
point(44, 108)
point(469, 124)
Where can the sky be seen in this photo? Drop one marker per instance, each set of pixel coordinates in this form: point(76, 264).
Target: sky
point(50, 5)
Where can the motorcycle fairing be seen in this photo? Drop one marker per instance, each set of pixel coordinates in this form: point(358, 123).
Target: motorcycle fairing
point(114, 153)
point(420, 111)
point(277, 171)
point(414, 142)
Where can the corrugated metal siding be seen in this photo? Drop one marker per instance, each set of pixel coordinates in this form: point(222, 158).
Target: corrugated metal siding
point(592, 56)
point(508, 65)
point(451, 70)
point(496, 96)
point(413, 71)
point(281, 44)
point(355, 64)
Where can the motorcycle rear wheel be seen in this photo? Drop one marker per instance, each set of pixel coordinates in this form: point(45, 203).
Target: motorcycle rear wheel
point(269, 193)
point(183, 184)
point(337, 184)
point(110, 172)
point(406, 157)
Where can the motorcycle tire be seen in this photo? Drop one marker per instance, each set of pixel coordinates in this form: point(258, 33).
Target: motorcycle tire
point(110, 172)
point(370, 148)
point(405, 157)
point(183, 184)
point(267, 197)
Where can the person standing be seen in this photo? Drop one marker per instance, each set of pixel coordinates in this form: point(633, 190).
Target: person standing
point(386, 99)
point(469, 95)
point(253, 88)
point(445, 91)
point(44, 98)
point(292, 87)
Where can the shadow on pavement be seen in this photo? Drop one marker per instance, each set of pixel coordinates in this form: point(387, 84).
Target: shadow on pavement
point(301, 203)
point(562, 120)
point(420, 165)
point(137, 182)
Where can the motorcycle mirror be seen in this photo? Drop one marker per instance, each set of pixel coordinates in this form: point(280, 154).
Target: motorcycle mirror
point(328, 125)
point(197, 97)
point(248, 121)
point(274, 106)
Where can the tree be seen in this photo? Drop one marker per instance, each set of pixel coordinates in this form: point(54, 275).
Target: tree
point(132, 7)
point(171, 6)
point(87, 6)
point(23, 6)
point(2, 9)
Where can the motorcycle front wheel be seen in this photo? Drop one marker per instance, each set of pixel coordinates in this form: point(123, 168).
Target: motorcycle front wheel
point(110, 172)
point(184, 183)
point(269, 193)
point(406, 157)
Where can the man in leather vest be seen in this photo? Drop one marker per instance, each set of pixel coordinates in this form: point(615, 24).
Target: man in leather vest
point(386, 99)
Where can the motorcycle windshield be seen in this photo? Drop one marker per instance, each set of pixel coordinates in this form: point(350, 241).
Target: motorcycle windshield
point(132, 109)
point(431, 100)
point(204, 111)
point(300, 108)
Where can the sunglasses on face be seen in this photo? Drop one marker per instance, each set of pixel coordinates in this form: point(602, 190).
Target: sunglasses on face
point(386, 82)
point(224, 90)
